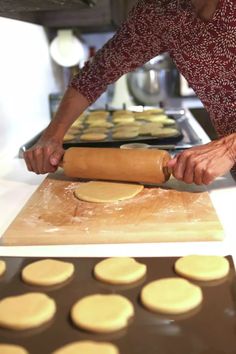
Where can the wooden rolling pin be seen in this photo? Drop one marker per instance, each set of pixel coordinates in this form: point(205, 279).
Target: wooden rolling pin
point(147, 166)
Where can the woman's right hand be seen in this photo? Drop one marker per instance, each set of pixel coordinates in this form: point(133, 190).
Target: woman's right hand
point(44, 156)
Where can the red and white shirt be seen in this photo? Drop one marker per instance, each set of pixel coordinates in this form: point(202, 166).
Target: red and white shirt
point(203, 51)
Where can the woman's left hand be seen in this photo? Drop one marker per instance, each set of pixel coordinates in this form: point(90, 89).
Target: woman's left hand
point(202, 164)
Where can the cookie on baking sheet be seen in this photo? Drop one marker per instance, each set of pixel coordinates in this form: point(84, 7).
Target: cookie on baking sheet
point(102, 313)
point(93, 137)
point(26, 311)
point(119, 270)
point(12, 349)
point(171, 296)
point(2, 267)
point(202, 267)
point(88, 347)
point(47, 272)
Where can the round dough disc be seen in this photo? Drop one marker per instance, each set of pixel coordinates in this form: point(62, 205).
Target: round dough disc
point(2, 267)
point(202, 267)
point(119, 270)
point(102, 313)
point(88, 347)
point(93, 136)
point(12, 349)
point(26, 311)
point(119, 135)
point(171, 296)
point(68, 137)
point(165, 132)
point(105, 192)
point(47, 272)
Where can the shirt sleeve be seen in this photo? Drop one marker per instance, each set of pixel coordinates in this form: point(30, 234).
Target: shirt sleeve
point(137, 40)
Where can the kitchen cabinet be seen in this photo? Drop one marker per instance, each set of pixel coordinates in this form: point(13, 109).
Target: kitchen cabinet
point(86, 15)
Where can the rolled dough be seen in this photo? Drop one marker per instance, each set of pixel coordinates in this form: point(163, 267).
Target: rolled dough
point(12, 349)
point(119, 270)
point(102, 313)
point(2, 267)
point(26, 311)
point(47, 272)
point(201, 267)
point(93, 136)
point(171, 296)
point(88, 347)
point(105, 192)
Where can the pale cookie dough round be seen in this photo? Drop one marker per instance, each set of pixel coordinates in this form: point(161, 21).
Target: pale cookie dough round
point(47, 272)
point(171, 296)
point(120, 135)
point(201, 267)
point(165, 132)
point(96, 130)
point(146, 129)
point(123, 120)
point(93, 137)
point(2, 267)
point(102, 313)
point(106, 192)
point(119, 270)
point(162, 118)
point(68, 137)
point(12, 349)
point(26, 311)
point(88, 347)
point(102, 124)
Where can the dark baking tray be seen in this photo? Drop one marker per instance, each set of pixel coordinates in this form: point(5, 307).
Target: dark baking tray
point(109, 142)
point(210, 329)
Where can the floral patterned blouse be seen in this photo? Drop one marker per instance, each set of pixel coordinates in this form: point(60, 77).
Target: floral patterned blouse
point(203, 51)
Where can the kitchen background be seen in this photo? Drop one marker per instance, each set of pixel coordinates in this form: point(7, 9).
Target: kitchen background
point(30, 80)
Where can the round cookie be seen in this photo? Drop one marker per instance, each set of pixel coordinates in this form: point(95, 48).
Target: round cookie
point(12, 349)
point(102, 313)
point(123, 119)
point(105, 192)
point(164, 132)
point(100, 123)
point(201, 267)
point(125, 134)
point(88, 347)
point(119, 270)
point(26, 311)
point(2, 267)
point(96, 130)
point(47, 272)
point(171, 296)
point(93, 137)
point(68, 137)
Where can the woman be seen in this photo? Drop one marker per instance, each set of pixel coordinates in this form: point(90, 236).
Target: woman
point(200, 36)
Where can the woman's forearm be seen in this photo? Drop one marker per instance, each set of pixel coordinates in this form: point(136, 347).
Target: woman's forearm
point(72, 105)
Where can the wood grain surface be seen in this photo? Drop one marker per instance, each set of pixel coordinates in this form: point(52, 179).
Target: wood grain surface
point(168, 214)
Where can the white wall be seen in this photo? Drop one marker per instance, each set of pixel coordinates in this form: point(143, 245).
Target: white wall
point(27, 76)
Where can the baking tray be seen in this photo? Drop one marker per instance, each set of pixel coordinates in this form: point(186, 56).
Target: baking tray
point(109, 142)
point(209, 329)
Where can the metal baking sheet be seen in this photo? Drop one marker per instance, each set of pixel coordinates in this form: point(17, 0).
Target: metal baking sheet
point(210, 329)
point(109, 141)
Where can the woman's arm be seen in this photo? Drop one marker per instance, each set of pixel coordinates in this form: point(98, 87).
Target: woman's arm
point(138, 40)
point(202, 164)
point(46, 154)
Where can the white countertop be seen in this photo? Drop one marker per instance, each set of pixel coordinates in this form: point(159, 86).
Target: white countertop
point(17, 185)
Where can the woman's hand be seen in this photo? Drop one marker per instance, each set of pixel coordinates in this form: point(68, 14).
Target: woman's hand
point(202, 164)
point(44, 156)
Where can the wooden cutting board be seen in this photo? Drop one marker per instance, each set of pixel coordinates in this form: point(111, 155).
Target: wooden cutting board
point(54, 216)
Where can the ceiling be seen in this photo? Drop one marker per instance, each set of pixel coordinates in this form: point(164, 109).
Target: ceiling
point(86, 15)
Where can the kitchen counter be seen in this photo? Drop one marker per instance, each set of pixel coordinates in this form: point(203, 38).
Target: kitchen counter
point(17, 185)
